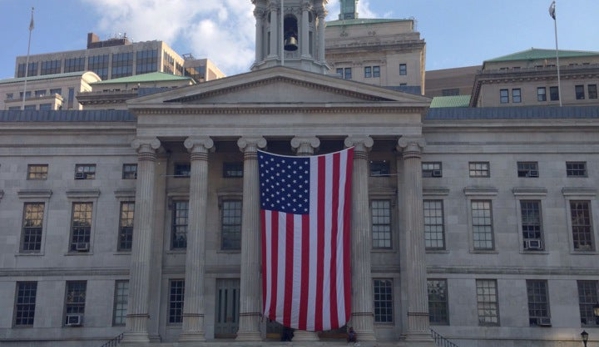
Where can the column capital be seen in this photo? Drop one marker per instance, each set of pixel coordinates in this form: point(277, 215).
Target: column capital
point(145, 143)
point(251, 144)
point(305, 145)
point(306, 6)
point(411, 146)
point(361, 143)
point(199, 144)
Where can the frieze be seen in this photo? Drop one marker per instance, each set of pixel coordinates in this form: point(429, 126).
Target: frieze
point(238, 109)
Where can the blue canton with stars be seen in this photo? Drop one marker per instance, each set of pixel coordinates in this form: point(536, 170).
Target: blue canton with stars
point(284, 183)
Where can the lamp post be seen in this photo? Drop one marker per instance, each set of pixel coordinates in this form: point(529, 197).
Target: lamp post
point(585, 337)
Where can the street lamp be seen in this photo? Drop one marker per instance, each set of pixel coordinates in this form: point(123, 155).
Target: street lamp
point(585, 337)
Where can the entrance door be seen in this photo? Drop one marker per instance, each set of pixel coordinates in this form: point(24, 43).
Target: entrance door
point(227, 308)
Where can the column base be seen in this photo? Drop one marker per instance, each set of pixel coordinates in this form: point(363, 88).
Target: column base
point(365, 336)
point(192, 337)
point(248, 336)
point(420, 339)
point(135, 337)
point(302, 335)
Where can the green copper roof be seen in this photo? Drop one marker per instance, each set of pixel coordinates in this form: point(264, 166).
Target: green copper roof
point(359, 21)
point(451, 101)
point(148, 77)
point(535, 54)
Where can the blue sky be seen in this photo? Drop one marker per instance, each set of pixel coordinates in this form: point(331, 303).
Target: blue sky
point(458, 32)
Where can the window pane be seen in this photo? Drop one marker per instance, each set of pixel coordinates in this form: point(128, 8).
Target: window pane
point(75, 298)
point(482, 225)
point(126, 226)
point(587, 298)
point(231, 225)
point(33, 219)
point(437, 302)
point(175, 302)
point(538, 303)
point(179, 224)
point(488, 307)
point(383, 301)
point(582, 227)
point(532, 231)
point(434, 236)
point(25, 303)
point(37, 172)
point(381, 223)
point(81, 225)
point(121, 297)
point(479, 169)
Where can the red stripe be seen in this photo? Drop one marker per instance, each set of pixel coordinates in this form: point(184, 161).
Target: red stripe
point(347, 232)
point(288, 274)
point(334, 241)
point(274, 220)
point(305, 279)
point(320, 246)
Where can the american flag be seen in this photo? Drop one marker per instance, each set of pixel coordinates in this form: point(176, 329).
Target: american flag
point(305, 215)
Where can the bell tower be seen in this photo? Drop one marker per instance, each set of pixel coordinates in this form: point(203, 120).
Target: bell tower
point(290, 33)
point(349, 9)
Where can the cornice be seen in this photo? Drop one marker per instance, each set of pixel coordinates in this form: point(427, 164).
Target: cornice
point(512, 270)
point(277, 109)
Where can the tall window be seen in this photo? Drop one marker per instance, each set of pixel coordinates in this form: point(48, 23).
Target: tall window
point(81, 226)
point(504, 96)
point(538, 303)
point(99, 65)
point(383, 300)
point(376, 71)
point(75, 302)
point(126, 226)
point(231, 225)
point(121, 298)
point(122, 64)
point(50, 67)
point(579, 90)
point(554, 93)
point(33, 220)
point(541, 94)
point(367, 71)
point(532, 228)
point(24, 315)
point(147, 61)
point(381, 223)
point(479, 169)
point(434, 235)
point(179, 224)
point(403, 69)
point(576, 169)
point(175, 301)
point(516, 95)
point(438, 302)
point(74, 65)
point(587, 298)
point(487, 302)
point(582, 226)
point(482, 225)
point(528, 169)
point(592, 91)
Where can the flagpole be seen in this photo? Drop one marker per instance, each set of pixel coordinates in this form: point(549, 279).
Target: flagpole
point(282, 42)
point(559, 82)
point(31, 25)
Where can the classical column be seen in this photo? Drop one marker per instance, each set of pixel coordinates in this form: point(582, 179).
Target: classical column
point(274, 29)
point(362, 318)
point(259, 14)
point(195, 260)
point(414, 271)
point(305, 146)
point(141, 255)
point(305, 38)
point(321, 25)
point(250, 311)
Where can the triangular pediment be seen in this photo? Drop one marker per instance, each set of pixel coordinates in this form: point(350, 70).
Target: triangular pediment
point(279, 86)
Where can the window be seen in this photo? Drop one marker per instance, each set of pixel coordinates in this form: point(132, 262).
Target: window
point(403, 69)
point(482, 225)
point(438, 302)
point(344, 73)
point(29, 108)
point(50, 67)
point(592, 91)
point(26, 294)
point(516, 95)
point(81, 227)
point(579, 90)
point(75, 302)
point(450, 92)
point(487, 302)
point(45, 107)
point(554, 93)
point(367, 71)
point(126, 226)
point(532, 229)
point(376, 71)
point(33, 219)
point(231, 224)
point(179, 224)
point(528, 169)
point(9, 96)
point(74, 64)
point(434, 235)
point(182, 170)
point(99, 65)
point(40, 93)
point(380, 211)
point(383, 301)
point(582, 226)
point(71, 99)
point(122, 64)
point(576, 169)
point(175, 301)
point(504, 96)
point(121, 299)
point(379, 168)
point(587, 298)
point(37, 171)
point(85, 171)
point(432, 169)
point(541, 94)
point(233, 169)
point(129, 171)
point(479, 169)
point(538, 303)
point(54, 91)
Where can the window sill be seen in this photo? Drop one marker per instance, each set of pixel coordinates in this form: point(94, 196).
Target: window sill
point(122, 253)
point(589, 252)
point(383, 250)
point(228, 251)
point(480, 251)
point(437, 251)
point(30, 254)
point(540, 252)
point(79, 254)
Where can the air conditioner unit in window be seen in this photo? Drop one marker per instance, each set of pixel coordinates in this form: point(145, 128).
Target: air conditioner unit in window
point(79, 176)
point(544, 322)
point(82, 246)
point(74, 320)
point(533, 173)
point(533, 244)
point(437, 173)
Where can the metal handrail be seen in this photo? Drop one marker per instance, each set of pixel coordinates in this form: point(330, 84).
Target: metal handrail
point(113, 342)
point(442, 341)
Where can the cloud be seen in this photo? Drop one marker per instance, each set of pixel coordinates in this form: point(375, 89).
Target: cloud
point(222, 31)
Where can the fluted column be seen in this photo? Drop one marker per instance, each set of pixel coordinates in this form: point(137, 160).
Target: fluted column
point(195, 260)
point(305, 146)
point(250, 311)
point(141, 255)
point(321, 26)
point(274, 29)
point(362, 318)
point(259, 14)
point(414, 274)
point(305, 39)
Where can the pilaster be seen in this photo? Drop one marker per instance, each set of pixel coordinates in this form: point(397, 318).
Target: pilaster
point(250, 311)
point(362, 317)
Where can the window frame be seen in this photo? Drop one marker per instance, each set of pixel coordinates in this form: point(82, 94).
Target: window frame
point(176, 301)
point(529, 169)
point(376, 71)
point(430, 168)
point(367, 71)
point(554, 93)
point(129, 171)
point(24, 305)
point(27, 230)
point(233, 169)
point(478, 227)
point(479, 169)
point(175, 243)
point(74, 306)
point(587, 298)
point(428, 232)
point(74, 230)
point(383, 303)
point(126, 225)
point(579, 92)
point(438, 309)
point(235, 224)
point(504, 96)
point(121, 301)
point(537, 292)
point(576, 169)
point(541, 94)
point(182, 170)
point(516, 95)
point(403, 69)
point(386, 241)
point(487, 296)
point(588, 227)
point(380, 168)
point(85, 171)
point(37, 172)
point(592, 90)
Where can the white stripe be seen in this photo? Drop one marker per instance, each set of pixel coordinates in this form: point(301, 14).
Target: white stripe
point(313, 242)
point(297, 269)
point(341, 238)
point(328, 225)
point(281, 267)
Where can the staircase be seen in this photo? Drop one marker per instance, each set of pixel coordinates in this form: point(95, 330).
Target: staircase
point(441, 341)
point(113, 342)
